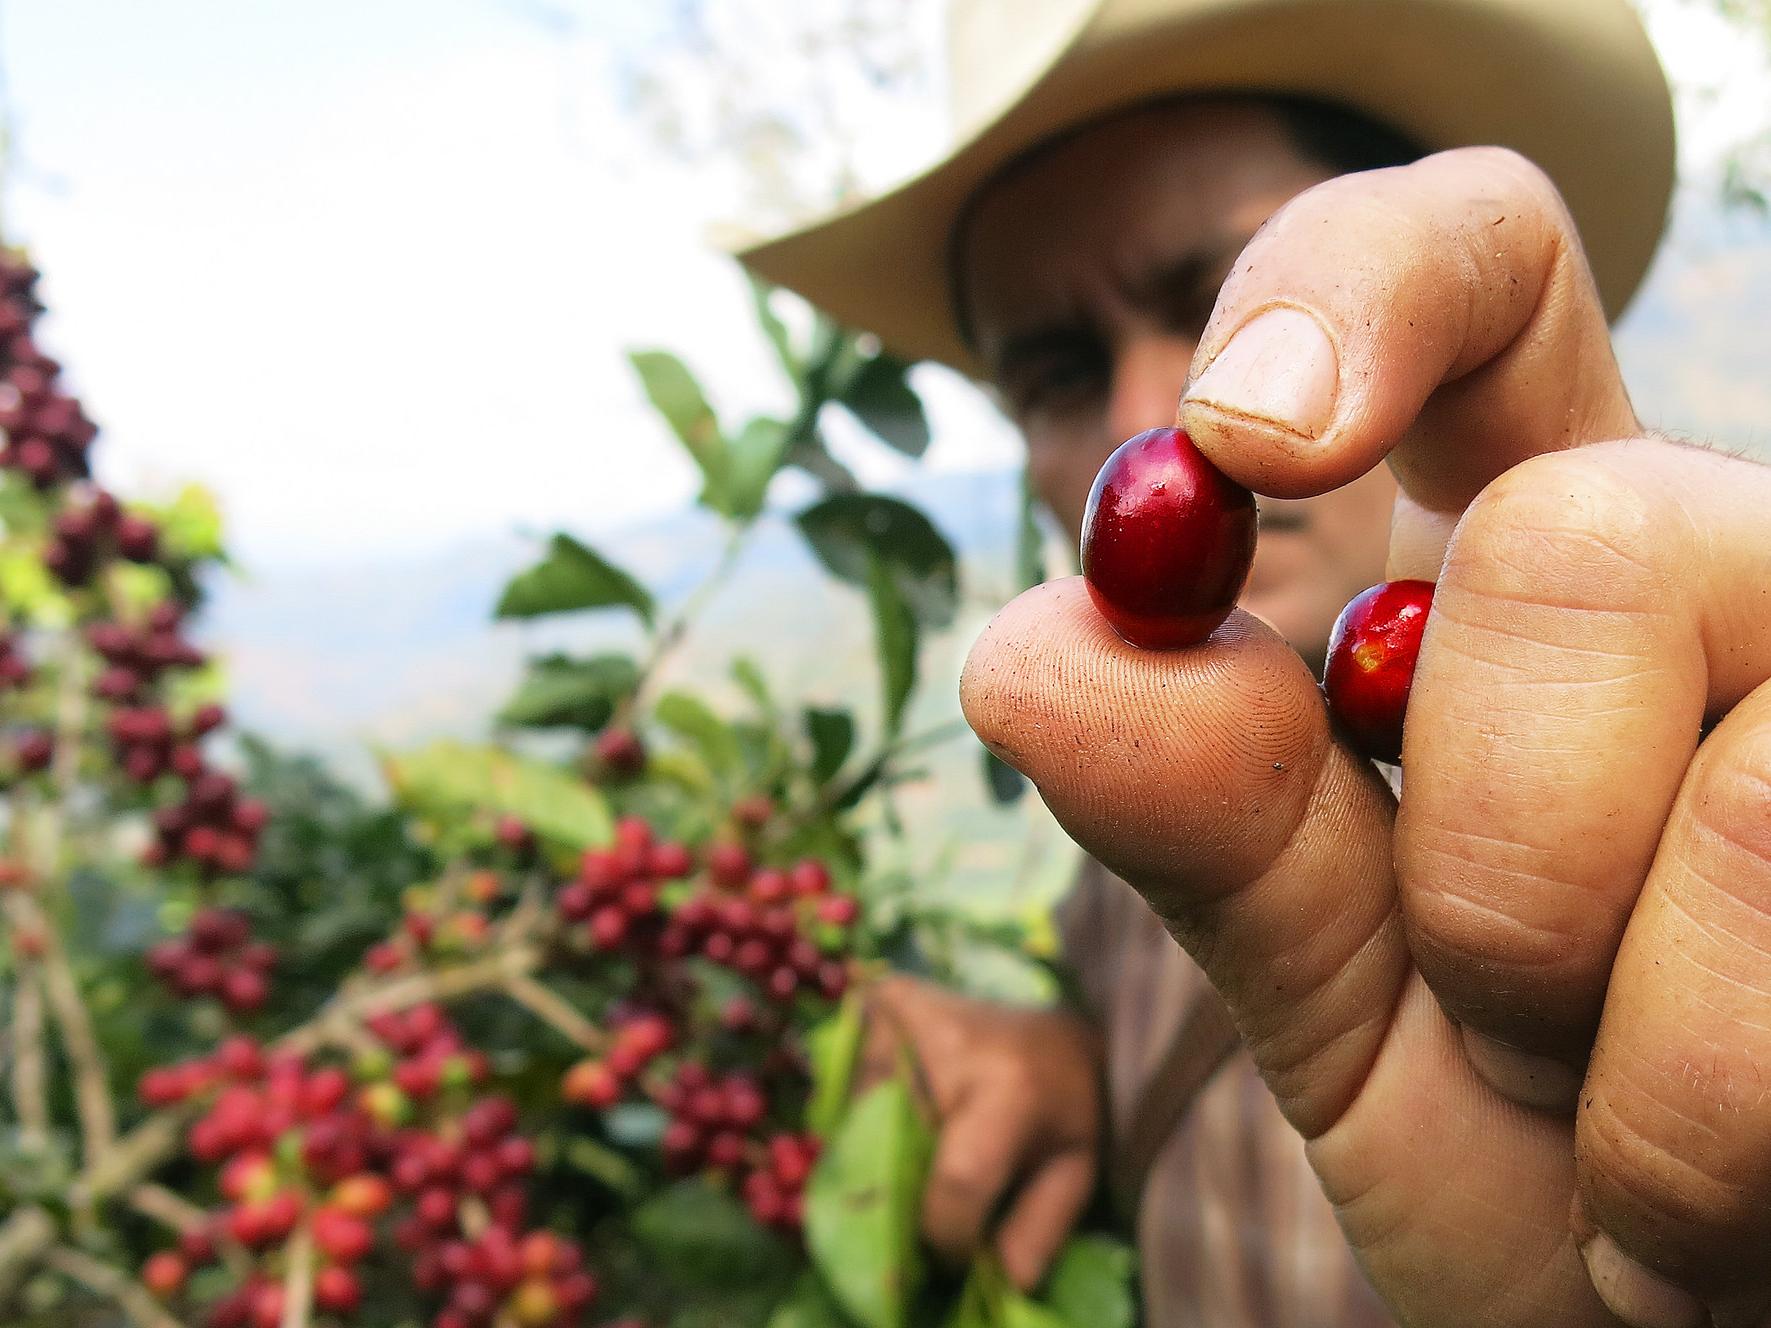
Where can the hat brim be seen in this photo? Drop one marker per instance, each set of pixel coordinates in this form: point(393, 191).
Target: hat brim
point(1574, 85)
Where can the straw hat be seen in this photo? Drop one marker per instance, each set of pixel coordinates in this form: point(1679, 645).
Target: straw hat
point(1572, 84)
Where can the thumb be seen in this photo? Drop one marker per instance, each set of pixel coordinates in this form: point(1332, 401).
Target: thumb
point(1209, 779)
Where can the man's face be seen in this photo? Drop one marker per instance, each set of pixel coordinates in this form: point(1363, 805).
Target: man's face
point(1088, 274)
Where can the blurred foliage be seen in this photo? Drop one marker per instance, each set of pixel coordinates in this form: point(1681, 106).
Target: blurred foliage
point(472, 861)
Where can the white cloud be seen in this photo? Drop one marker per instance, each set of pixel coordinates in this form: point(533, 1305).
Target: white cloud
point(392, 320)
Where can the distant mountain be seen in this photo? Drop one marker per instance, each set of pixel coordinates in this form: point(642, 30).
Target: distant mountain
point(394, 652)
point(337, 662)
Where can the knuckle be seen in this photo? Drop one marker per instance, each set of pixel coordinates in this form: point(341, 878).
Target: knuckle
point(1531, 181)
point(1008, 1074)
point(961, 1174)
point(1729, 802)
point(1568, 529)
point(1655, 1159)
point(1463, 922)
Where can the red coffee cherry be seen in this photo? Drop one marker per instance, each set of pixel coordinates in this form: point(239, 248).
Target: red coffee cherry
point(1371, 655)
point(163, 1274)
point(1167, 540)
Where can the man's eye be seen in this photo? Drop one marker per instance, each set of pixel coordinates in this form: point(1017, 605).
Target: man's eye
point(1058, 383)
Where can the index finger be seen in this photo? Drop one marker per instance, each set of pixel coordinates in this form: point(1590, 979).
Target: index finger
point(1441, 314)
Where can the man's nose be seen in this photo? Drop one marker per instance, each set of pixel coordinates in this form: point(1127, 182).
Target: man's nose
point(1149, 372)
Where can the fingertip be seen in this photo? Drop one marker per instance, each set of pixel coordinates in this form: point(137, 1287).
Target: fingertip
point(1640, 1298)
point(1262, 455)
point(1043, 1217)
point(1025, 1268)
point(1542, 1082)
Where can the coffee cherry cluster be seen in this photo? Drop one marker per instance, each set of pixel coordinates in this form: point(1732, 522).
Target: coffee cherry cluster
point(85, 536)
point(212, 828)
point(710, 1118)
point(15, 669)
point(464, 1181)
point(32, 751)
point(532, 1280)
point(429, 1053)
point(637, 1042)
point(717, 1124)
point(300, 1146)
point(217, 957)
point(481, 1159)
point(138, 655)
point(774, 1189)
point(146, 742)
point(616, 896)
point(761, 923)
point(47, 434)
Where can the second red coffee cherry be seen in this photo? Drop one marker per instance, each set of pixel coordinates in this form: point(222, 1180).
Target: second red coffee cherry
point(1167, 540)
point(1370, 670)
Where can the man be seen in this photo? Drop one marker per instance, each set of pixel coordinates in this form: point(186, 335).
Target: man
point(1518, 1022)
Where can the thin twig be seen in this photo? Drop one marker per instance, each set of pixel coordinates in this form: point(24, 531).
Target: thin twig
point(179, 1213)
point(92, 1080)
point(64, 768)
point(672, 635)
point(174, 1210)
point(354, 1005)
point(528, 912)
point(29, 1231)
point(30, 1075)
point(130, 1296)
point(298, 1279)
point(556, 1012)
point(92, 1087)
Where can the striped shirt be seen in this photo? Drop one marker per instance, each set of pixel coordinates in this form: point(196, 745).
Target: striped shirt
point(1233, 1230)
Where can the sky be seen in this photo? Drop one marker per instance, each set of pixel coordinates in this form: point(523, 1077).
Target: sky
point(367, 269)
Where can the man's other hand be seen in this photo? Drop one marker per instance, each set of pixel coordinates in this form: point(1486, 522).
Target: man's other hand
point(1016, 1101)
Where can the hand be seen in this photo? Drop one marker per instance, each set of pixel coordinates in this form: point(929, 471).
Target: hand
point(1524, 1021)
point(1016, 1099)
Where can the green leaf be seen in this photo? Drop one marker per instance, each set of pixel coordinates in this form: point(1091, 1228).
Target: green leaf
point(748, 674)
point(989, 1300)
point(809, 1305)
point(994, 970)
point(190, 525)
point(1006, 784)
point(880, 396)
point(447, 779)
point(1016, 1311)
point(1091, 1284)
point(605, 1165)
point(1029, 541)
point(833, 737)
point(848, 530)
point(834, 1045)
point(895, 641)
point(691, 718)
point(685, 770)
point(756, 454)
point(676, 396)
point(705, 1237)
point(27, 590)
point(761, 294)
point(832, 359)
point(862, 1205)
point(559, 691)
point(572, 576)
point(971, 1311)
